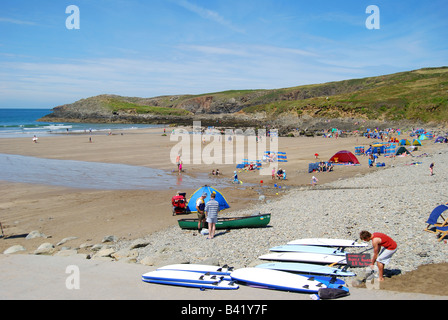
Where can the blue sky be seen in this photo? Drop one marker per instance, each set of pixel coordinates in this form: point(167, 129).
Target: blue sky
point(163, 47)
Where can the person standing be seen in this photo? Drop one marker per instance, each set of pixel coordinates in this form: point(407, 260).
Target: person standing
point(431, 169)
point(211, 211)
point(200, 207)
point(380, 240)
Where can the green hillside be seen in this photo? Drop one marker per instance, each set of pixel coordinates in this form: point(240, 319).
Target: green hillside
point(415, 95)
point(419, 95)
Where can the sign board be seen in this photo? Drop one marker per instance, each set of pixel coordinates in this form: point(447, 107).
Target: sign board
point(358, 259)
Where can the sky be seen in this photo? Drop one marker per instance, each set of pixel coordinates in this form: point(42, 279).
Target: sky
point(52, 55)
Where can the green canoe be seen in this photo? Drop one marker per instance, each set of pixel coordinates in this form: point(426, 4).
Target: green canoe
point(257, 221)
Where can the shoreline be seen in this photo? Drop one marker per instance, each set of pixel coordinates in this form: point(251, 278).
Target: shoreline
point(132, 215)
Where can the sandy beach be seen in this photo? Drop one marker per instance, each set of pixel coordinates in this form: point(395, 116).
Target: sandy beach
point(90, 215)
point(57, 211)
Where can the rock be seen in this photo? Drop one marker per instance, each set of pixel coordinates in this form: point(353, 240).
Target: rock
point(14, 249)
point(139, 243)
point(35, 234)
point(45, 249)
point(97, 247)
point(125, 253)
point(109, 239)
point(65, 240)
point(104, 253)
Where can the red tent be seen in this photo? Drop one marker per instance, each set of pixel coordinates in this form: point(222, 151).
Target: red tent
point(344, 156)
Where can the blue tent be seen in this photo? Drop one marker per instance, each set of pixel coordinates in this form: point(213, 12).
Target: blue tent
point(209, 190)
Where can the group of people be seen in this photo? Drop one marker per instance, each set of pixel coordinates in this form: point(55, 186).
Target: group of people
point(280, 174)
point(208, 212)
point(325, 167)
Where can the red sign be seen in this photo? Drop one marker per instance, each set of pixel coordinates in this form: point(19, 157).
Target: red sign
point(358, 259)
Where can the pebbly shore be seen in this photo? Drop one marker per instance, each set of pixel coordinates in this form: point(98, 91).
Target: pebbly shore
point(395, 200)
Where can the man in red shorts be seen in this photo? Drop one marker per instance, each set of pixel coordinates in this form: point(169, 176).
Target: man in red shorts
point(380, 240)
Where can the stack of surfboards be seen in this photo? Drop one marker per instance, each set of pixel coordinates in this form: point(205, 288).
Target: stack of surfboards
point(310, 255)
point(288, 271)
point(224, 278)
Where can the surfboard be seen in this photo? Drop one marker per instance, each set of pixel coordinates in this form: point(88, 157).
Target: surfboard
point(277, 280)
point(224, 270)
point(306, 268)
point(310, 249)
point(304, 257)
point(183, 276)
point(330, 282)
point(221, 285)
point(328, 242)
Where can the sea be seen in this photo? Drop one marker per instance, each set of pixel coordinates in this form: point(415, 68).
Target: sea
point(16, 123)
point(80, 174)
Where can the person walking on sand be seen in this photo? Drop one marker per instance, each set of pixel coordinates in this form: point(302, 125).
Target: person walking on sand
point(178, 161)
point(380, 240)
point(200, 206)
point(211, 211)
point(314, 181)
point(431, 169)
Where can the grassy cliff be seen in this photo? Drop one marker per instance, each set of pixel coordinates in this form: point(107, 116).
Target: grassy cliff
point(419, 95)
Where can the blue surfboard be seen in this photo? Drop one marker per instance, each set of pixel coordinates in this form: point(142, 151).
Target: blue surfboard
point(330, 282)
point(222, 285)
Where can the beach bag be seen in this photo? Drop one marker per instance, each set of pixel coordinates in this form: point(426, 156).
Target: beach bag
point(332, 293)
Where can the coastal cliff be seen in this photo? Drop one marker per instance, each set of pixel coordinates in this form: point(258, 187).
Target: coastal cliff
point(419, 96)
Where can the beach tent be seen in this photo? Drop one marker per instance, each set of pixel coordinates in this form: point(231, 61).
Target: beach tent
point(405, 142)
point(416, 142)
point(402, 150)
point(209, 190)
point(344, 156)
point(423, 137)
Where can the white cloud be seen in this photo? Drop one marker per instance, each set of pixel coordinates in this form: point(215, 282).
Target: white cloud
point(15, 21)
point(209, 14)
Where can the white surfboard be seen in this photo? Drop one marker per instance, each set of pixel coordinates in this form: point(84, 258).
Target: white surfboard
point(306, 268)
point(201, 268)
point(310, 249)
point(183, 276)
point(328, 242)
point(278, 280)
point(304, 257)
